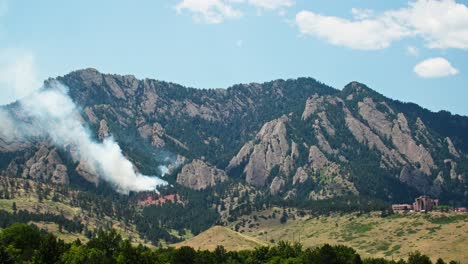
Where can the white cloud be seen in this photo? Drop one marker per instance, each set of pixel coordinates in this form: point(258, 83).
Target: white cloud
point(434, 68)
point(362, 13)
point(440, 23)
point(18, 75)
point(217, 11)
point(412, 51)
point(271, 4)
point(209, 11)
point(365, 34)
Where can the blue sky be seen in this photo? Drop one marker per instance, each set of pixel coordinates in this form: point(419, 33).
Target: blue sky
point(218, 43)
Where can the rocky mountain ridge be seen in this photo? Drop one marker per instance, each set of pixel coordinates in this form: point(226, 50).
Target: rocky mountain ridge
point(295, 139)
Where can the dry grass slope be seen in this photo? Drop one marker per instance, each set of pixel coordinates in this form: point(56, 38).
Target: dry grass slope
point(218, 235)
point(435, 234)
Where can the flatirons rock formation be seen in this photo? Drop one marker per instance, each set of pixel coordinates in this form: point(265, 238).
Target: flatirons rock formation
point(295, 139)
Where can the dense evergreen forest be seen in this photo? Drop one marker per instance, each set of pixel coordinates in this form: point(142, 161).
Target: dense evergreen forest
point(21, 243)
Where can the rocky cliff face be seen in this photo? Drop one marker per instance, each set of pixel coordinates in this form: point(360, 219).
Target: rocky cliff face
point(297, 139)
point(338, 134)
point(44, 164)
point(198, 175)
point(270, 148)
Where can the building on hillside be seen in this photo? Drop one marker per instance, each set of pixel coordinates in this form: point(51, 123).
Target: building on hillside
point(402, 207)
point(421, 204)
point(424, 204)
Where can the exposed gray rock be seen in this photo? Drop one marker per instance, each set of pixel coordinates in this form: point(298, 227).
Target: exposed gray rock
point(453, 168)
point(291, 195)
point(364, 135)
point(242, 156)
point(46, 165)
point(451, 148)
point(325, 123)
point(87, 172)
point(103, 131)
point(271, 149)
point(155, 133)
point(375, 118)
point(406, 145)
point(322, 141)
point(90, 115)
point(276, 185)
point(317, 158)
point(301, 176)
point(312, 105)
point(198, 175)
point(114, 87)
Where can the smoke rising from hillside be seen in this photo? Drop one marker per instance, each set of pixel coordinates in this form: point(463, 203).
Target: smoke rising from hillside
point(56, 115)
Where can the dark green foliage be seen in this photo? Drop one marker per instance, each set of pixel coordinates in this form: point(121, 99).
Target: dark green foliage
point(418, 258)
point(50, 250)
point(284, 217)
point(195, 215)
point(20, 243)
point(345, 204)
point(23, 216)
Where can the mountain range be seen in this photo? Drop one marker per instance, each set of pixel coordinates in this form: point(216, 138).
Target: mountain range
point(297, 142)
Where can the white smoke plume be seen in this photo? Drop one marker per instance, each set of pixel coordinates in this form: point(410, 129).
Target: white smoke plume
point(57, 116)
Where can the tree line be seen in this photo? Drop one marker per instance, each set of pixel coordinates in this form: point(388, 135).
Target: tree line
point(21, 243)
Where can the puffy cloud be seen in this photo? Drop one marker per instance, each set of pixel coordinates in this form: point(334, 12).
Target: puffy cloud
point(441, 24)
point(209, 11)
point(435, 67)
point(364, 34)
point(18, 75)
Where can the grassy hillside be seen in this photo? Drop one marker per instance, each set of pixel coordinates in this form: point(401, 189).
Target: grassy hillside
point(435, 234)
point(52, 202)
point(218, 235)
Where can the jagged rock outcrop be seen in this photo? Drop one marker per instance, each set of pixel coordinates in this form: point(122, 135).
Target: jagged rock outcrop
point(276, 185)
point(293, 138)
point(87, 172)
point(322, 141)
point(375, 118)
point(155, 133)
point(313, 104)
point(301, 176)
point(451, 148)
point(399, 132)
point(272, 148)
point(317, 158)
point(198, 175)
point(416, 153)
point(364, 135)
point(103, 131)
point(325, 123)
point(45, 165)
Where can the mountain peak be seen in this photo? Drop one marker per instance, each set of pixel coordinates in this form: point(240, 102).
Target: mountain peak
point(357, 89)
